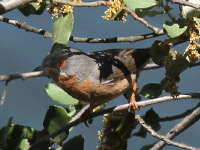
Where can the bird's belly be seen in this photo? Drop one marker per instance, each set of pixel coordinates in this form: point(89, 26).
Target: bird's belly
point(88, 91)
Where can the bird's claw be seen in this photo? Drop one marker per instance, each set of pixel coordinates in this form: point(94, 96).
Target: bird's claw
point(86, 117)
point(133, 106)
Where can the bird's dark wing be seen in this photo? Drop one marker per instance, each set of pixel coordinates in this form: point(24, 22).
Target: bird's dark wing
point(116, 64)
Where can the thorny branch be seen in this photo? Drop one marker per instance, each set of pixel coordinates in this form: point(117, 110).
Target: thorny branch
point(77, 121)
point(161, 137)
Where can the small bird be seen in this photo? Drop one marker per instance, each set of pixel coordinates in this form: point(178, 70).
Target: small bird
point(96, 77)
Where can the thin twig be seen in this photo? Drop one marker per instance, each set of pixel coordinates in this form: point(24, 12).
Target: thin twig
point(112, 109)
point(107, 3)
point(186, 3)
point(175, 117)
point(180, 127)
point(156, 30)
point(161, 137)
point(130, 39)
point(3, 98)
point(23, 25)
point(155, 66)
point(23, 76)
point(8, 5)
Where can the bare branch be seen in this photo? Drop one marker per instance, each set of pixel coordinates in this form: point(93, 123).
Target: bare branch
point(130, 39)
point(155, 66)
point(22, 76)
point(180, 127)
point(107, 3)
point(186, 3)
point(175, 117)
point(156, 30)
point(161, 137)
point(77, 121)
point(23, 25)
point(84, 4)
point(41, 73)
point(167, 98)
point(8, 5)
point(46, 34)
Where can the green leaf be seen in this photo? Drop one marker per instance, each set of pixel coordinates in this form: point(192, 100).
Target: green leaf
point(151, 90)
point(62, 30)
point(4, 134)
point(59, 95)
point(47, 143)
point(24, 145)
point(56, 117)
point(75, 143)
point(190, 12)
point(32, 8)
point(147, 12)
point(71, 111)
point(174, 28)
point(159, 52)
point(177, 66)
point(12, 135)
point(134, 4)
point(152, 119)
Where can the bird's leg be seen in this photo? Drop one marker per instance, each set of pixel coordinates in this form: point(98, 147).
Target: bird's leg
point(132, 100)
point(86, 117)
point(85, 113)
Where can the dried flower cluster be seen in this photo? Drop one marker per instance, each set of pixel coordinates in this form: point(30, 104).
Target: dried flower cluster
point(191, 51)
point(113, 10)
point(111, 137)
point(57, 8)
point(169, 83)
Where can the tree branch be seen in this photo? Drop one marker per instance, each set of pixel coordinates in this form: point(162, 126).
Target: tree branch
point(46, 34)
point(23, 25)
point(156, 30)
point(161, 137)
point(179, 116)
point(131, 39)
point(185, 3)
point(180, 127)
point(8, 5)
point(78, 119)
point(107, 3)
point(84, 4)
point(22, 76)
point(41, 73)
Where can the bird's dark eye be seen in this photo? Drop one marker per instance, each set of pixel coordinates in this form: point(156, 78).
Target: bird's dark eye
point(61, 63)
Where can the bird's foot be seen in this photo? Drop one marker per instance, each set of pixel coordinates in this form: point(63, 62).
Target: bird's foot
point(86, 117)
point(132, 100)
